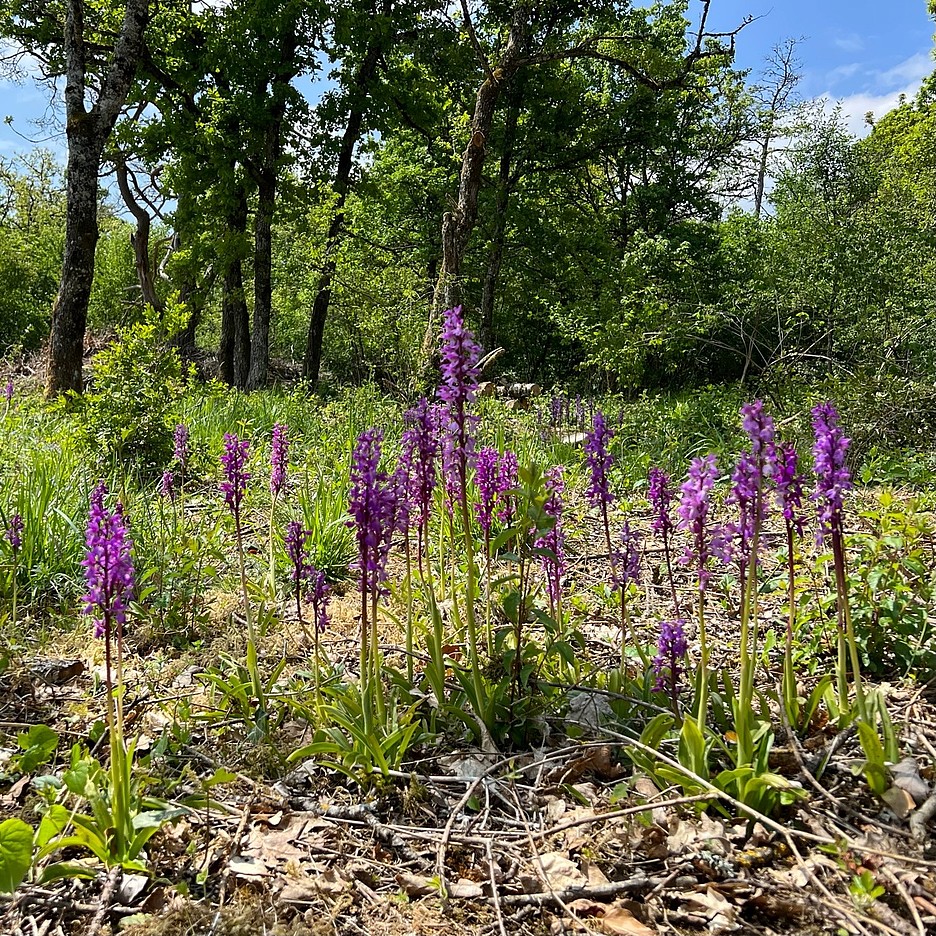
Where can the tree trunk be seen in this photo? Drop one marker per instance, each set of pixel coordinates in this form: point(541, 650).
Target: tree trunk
point(505, 184)
point(234, 354)
point(362, 82)
point(266, 178)
point(263, 282)
point(189, 296)
point(87, 132)
point(458, 224)
point(140, 239)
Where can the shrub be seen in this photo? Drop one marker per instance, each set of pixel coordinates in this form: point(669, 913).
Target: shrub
point(128, 412)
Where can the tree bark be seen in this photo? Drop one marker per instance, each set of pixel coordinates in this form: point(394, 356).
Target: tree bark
point(87, 132)
point(263, 282)
point(234, 354)
point(265, 175)
point(505, 182)
point(362, 81)
point(458, 224)
point(140, 239)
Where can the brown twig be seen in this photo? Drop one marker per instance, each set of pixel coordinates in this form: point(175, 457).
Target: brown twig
point(107, 894)
point(495, 898)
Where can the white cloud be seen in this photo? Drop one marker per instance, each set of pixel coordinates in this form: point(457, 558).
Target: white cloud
point(843, 72)
point(913, 69)
point(849, 42)
point(883, 94)
point(854, 107)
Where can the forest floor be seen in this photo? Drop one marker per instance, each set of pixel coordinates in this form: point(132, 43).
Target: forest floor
point(561, 837)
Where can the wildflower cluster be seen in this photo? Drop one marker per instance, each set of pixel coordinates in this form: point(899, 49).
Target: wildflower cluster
point(833, 478)
point(789, 489)
point(460, 354)
point(108, 565)
point(693, 514)
point(279, 456)
point(303, 573)
point(372, 505)
point(234, 462)
point(625, 561)
point(599, 462)
point(180, 445)
point(661, 499)
point(671, 650)
point(554, 565)
point(14, 532)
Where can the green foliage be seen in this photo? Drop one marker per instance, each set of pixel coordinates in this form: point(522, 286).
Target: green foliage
point(343, 742)
point(892, 589)
point(37, 745)
point(16, 845)
point(115, 296)
point(47, 484)
point(324, 512)
point(118, 824)
point(32, 238)
point(127, 415)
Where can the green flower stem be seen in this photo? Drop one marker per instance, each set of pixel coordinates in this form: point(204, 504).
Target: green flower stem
point(272, 577)
point(669, 570)
point(376, 686)
point(470, 587)
point(847, 632)
point(488, 636)
point(789, 678)
point(409, 611)
point(748, 651)
point(627, 627)
point(253, 667)
point(365, 662)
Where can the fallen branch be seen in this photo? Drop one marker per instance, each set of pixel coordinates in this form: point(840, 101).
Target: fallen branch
point(593, 891)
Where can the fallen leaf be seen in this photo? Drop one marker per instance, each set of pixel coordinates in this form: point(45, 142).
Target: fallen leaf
point(621, 922)
point(906, 775)
point(247, 867)
point(593, 874)
point(597, 761)
point(561, 872)
point(332, 882)
point(465, 890)
point(900, 801)
point(416, 885)
point(131, 887)
point(584, 907)
point(302, 889)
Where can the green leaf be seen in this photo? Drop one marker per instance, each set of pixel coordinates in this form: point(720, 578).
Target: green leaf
point(221, 775)
point(38, 745)
point(65, 869)
point(16, 842)
point(54, 822)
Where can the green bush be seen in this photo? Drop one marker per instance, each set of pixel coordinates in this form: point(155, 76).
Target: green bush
point(127, 413)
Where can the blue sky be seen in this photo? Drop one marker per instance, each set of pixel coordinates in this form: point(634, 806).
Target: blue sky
point(863, 54)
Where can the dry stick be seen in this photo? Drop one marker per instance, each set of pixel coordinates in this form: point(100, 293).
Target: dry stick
point(616, 813)
point(596, 891)
point(494, 895)
point(919, 819)
point(768, 823)
point(907, 899)
point(475, 783)
point(926, 812)
point(107, 893)
point(556, 897)
point(235, 843)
